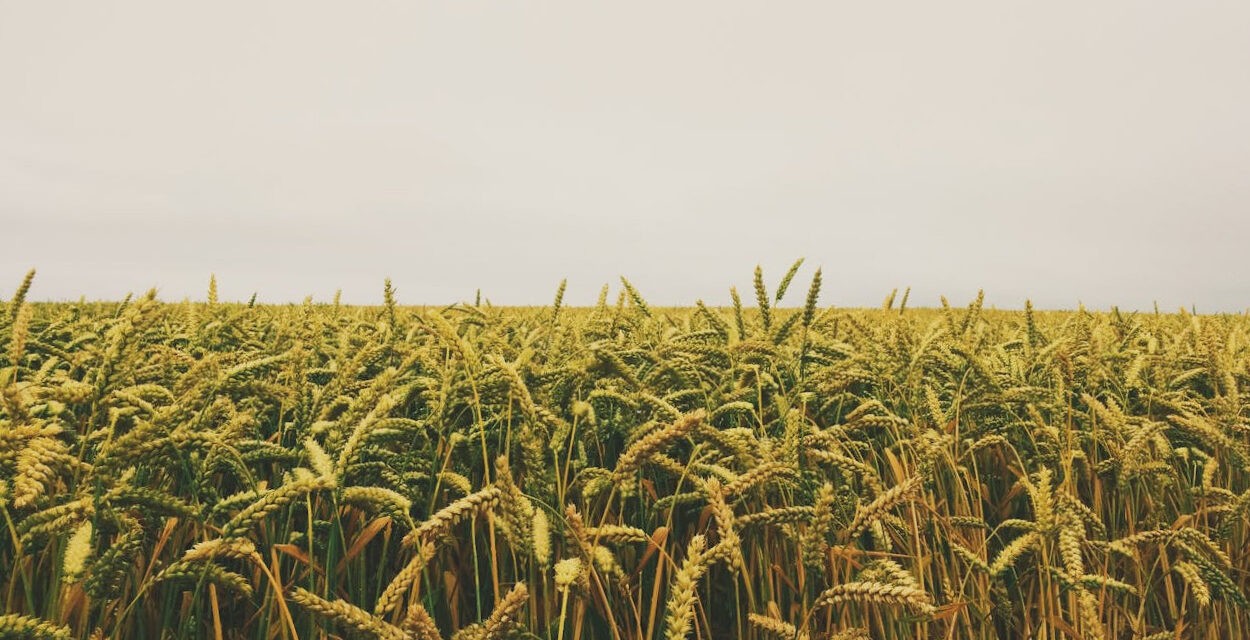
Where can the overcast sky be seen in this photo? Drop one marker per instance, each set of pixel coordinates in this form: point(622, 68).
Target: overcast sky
point(1064, 151)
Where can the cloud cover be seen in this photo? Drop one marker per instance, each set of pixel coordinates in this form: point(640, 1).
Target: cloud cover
point(1065, 152)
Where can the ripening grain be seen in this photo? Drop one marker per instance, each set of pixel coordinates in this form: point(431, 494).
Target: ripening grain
point(622, 471)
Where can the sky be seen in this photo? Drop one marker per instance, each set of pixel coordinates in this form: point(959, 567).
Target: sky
point(1065, 152)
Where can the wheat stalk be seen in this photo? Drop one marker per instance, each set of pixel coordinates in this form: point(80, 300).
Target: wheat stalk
point(346, 615)
point(679, 618)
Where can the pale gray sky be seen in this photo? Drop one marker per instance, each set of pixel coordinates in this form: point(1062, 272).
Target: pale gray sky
point(1064, 151)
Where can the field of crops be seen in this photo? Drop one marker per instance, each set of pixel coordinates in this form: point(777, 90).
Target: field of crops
point(210, 469)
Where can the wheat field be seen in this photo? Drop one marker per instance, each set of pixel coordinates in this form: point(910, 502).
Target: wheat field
point(766, 470)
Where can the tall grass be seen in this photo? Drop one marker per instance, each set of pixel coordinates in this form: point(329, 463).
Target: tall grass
point(251, 471)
